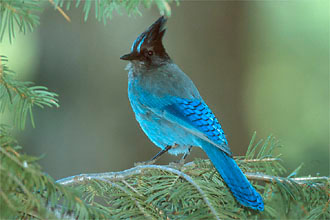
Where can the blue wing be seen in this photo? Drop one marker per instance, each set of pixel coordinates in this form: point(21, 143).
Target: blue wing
point(198, 118)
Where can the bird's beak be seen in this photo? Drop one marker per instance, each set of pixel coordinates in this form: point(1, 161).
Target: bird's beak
point(129, 56)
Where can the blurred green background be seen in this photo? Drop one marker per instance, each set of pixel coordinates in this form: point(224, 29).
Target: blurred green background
point(261, 66)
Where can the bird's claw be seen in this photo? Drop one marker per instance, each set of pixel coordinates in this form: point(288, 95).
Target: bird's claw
point(177, 164)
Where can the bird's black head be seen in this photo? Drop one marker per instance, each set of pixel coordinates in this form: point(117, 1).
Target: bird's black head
point(148, 47)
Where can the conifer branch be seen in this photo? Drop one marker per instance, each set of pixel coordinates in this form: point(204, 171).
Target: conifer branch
point(18, 14)
point(26, 192)
point(196, 191)
point(20, 97)
point(138, 170)
point(260, 160)
point(24, 15)
point(120, 176)
point(166, 189)
point(154, 191)
point(298, 180)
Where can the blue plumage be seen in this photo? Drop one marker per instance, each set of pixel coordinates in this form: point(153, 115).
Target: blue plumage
point(198, 115)
point(237, 182)
point(174, 116)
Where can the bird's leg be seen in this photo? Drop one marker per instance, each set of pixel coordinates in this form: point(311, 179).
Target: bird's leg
point(155, 158)
point(160, 153)
point(179, 164)
point(185, 155)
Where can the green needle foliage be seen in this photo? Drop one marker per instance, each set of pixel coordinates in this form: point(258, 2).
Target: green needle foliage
point(19, 97)
point(104, 8)
point(27, 192)
point(24, 15)
point(18, 14)
point(194, 191)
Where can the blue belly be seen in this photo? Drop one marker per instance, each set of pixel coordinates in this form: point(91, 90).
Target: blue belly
point(159, 130)
point(165, 133)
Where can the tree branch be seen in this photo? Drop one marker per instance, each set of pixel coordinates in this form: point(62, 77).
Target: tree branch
point(122, 175)
point(299, 180)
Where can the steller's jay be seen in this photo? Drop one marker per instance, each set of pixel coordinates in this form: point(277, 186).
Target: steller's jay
point(174, 116)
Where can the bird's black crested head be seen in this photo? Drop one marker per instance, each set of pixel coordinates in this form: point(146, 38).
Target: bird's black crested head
point(148, 47)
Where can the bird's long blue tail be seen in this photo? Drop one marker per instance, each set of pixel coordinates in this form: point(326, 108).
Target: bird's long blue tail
point(233, 176)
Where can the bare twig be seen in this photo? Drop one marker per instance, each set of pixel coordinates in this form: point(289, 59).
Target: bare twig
point(273, 179)
point(61, 11)
point(132, 188)
point(260, 160)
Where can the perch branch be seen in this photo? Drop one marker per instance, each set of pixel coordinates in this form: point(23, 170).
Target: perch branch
point(122, 175)
point(113, 177)
point(119, 176)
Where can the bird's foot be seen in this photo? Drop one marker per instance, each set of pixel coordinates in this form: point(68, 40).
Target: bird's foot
point(177, 164)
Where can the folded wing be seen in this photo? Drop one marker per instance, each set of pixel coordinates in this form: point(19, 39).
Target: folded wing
point(197, 117)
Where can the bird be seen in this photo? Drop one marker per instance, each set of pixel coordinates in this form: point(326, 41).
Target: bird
point(174, 116)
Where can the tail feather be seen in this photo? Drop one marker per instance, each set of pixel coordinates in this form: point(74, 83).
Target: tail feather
point(237, 182)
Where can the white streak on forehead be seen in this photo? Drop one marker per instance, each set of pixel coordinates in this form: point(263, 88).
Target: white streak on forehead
point(133, 45)
point(139, 47)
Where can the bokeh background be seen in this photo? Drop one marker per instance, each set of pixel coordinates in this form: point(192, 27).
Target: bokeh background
point(260, 65)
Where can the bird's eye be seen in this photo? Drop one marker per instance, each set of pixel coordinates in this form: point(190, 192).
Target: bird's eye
point(150, 53)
